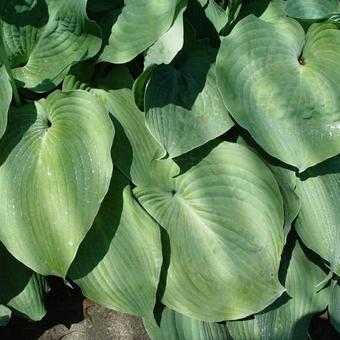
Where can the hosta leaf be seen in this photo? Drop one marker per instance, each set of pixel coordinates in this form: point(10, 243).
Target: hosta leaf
point(5, 98)
point(290, 316)
point(139, 86)
point(311, 9)
point(183, 107)
point(216, 14)
point(43, 38)
point(168, 45)
point(284, 89)
point(134, 150)
point(55, 170)
point(118, 264)
point(318, 222)
point(139, 25)
point(286, 180)
point(176, 326)
point(5, 315)
point(21, 289)
point(334, 307)
point(224, 217)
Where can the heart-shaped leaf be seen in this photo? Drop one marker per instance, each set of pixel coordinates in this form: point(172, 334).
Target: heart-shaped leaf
point(43, 38)
point(283, 87)
point(183, 106)
point(224, 217)
point(55, 171)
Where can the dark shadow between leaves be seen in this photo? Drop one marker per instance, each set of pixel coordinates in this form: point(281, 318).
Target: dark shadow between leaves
point(14, 276)
point(98, 240)
point(19, 122)
point(166, 252)
point(327, 167)
point(64, 306)
point(121, 153)
point(23, 13)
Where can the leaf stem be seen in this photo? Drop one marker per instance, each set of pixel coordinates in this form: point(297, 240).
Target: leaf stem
point(5, 62)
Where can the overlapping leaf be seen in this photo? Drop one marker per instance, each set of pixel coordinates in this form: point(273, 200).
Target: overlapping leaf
point(175, 326)
point(42, 39)
point(55, 170)
point(286, 180)
point(102, 268)
point(139, 25)
point(5, 98)
point(282, 86)
point(168, 45)
point(318, 222)
point(183, 107)
point(5, 315)
point(290, 316)
point(224, 217)
point(311, 9)
point(20, 288)
point(334, 307)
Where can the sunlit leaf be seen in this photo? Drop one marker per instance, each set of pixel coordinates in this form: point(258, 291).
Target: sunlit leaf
point(55, 170)
point(102, 268)
point(282, 86)
point(311, 9)
point(318, 222)
point(21, 289)
point(5, 98)
point(224, 217)
point(43, 38)
point(139, 25)
point(183, 106)
point(290, 316)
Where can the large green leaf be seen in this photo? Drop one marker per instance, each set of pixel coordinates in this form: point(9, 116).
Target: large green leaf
point(21, 289)
point(290, 316)
point(5, 98)
point(43, 38)
point(118, 264)
point(311, 9)
point(282, 86)
point(224, 217)
point(286, 179)
point(5, 315)
point(55, 170)
point(139, 25)
point(334, 307)
point(183, 107)
point(176, 326)
point(318, 222)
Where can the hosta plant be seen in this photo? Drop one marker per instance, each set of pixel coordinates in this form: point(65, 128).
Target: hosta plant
point(177, 160)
